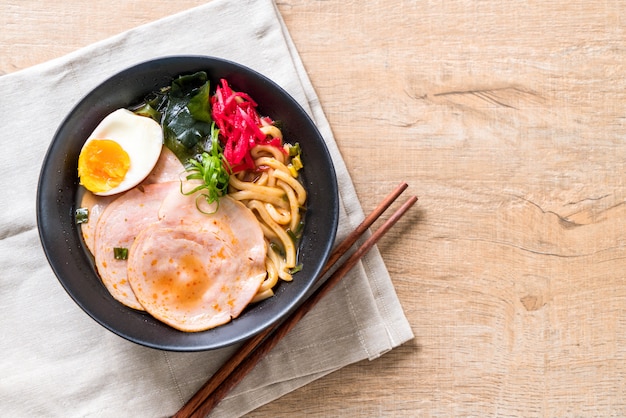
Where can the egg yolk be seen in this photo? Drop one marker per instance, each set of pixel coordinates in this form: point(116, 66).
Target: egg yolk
point(102, 165)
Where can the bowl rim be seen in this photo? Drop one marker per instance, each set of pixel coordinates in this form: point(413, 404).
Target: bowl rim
point(50, 241)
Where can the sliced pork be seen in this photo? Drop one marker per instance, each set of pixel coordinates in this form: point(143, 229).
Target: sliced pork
point(118, 225)
point(168, 168)
point(193, 270)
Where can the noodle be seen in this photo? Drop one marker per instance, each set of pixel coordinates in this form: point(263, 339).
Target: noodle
point(294, 206)
point(276, 198)
point(293, 183)
point(260, 150)
point(274, 163)
point(280, 216)
point(259, 195)
point(288, 244)
point(271, 130)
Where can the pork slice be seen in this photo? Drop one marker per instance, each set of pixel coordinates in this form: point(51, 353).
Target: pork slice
point(95, 205)
point(120, 222)
point(168, 168)
point(195, 271)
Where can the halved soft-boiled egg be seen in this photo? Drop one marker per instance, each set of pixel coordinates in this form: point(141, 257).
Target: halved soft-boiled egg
point(120, 153)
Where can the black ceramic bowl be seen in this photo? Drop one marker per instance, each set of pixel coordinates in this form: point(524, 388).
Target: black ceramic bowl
point(58, 188)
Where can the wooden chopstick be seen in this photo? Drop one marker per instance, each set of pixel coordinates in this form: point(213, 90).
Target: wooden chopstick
point(269, 343)
point(207, 397)
point(349, 241)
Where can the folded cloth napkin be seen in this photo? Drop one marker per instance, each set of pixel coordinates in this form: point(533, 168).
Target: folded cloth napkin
point(55, 360)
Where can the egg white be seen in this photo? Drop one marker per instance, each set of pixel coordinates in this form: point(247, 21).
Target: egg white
point(141, 138)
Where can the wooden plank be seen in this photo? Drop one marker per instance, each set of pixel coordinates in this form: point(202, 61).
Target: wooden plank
point(508, 120)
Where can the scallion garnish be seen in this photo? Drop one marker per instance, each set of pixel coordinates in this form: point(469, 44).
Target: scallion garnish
point(82, 215)
point(295, 164)
point(296, 269)
point(278, 249)
point(120, 253)
point(294, 149)
point(212, 170)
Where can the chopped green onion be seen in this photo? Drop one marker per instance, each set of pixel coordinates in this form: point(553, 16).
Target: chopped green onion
point(297, 162)
point(120, 253)
point(212, 170)
point(296, 269)
point(294, 150)
point(295, 166)
point(299, 228)
point(278, 249)
point(82, 215)
point(296, 234)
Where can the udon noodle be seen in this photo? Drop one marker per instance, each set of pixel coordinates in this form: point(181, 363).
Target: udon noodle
point(277, 199)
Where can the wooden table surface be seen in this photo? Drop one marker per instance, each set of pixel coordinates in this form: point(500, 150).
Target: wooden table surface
point(508, 119)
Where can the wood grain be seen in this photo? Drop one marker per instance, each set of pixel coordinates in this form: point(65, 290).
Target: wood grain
point(508, 119)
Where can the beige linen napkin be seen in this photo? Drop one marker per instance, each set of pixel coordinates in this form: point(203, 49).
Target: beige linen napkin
point(55, 360)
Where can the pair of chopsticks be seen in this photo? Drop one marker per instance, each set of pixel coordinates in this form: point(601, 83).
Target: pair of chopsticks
point(252, 351)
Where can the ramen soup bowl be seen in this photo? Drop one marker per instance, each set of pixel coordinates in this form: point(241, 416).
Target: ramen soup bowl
point(59, 190)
